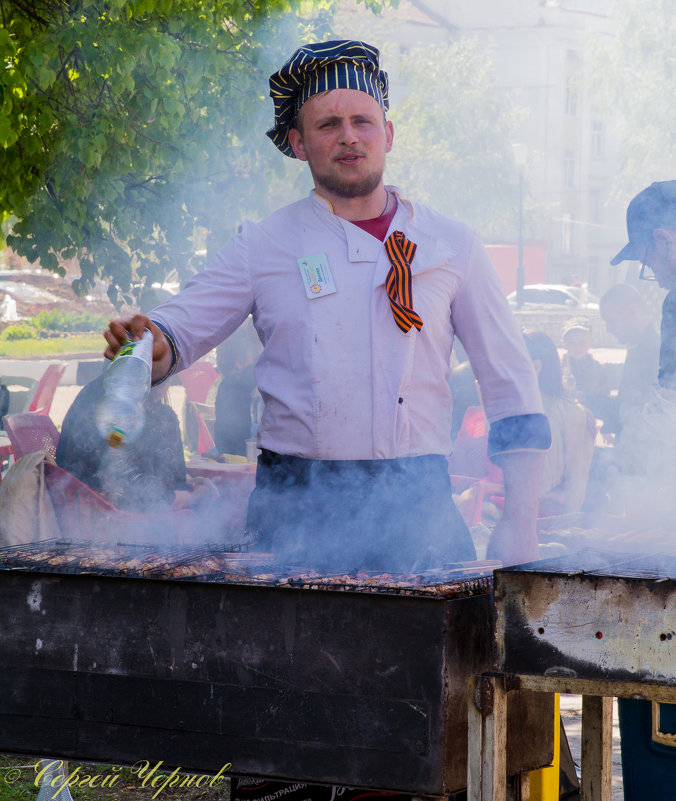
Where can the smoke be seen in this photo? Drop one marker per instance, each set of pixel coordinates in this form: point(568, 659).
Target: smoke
point(456, 110)
point(644, 483)
point(632, 495)
point(391, 516)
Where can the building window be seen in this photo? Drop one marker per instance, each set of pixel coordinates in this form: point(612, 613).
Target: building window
point(569, 169)
point(595, 206)
point(572, 92)
point(597, 140)
point(593, 272)
point(566, 234)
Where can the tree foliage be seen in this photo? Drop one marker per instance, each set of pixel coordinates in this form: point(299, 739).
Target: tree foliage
point(453, 147)
point(636, 80)
point(126, 126)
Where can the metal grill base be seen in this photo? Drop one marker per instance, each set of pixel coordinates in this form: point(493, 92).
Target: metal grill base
point(344, 688)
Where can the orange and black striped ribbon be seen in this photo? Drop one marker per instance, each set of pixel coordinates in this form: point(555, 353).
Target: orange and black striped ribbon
point(400, 251)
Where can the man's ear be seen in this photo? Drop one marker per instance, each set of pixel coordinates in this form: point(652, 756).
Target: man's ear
point(664, 239)
point(389, 136)
point(296, 142)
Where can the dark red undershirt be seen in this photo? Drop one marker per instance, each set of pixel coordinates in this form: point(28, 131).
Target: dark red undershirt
point(378, 225)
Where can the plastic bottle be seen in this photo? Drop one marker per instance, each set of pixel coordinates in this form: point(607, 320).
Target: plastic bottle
point(120, 415)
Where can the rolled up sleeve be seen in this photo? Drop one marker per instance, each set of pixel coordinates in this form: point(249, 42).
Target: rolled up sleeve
point(523, 432)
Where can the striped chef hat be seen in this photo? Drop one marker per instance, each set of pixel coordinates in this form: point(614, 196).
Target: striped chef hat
point(320, 67)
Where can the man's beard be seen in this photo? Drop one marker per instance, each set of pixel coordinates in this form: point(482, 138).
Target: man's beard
point(349, 189)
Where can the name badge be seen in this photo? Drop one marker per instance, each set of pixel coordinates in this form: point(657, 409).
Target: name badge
point(316, 275)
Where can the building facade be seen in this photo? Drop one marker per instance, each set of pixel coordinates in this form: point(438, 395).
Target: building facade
point(543, 53)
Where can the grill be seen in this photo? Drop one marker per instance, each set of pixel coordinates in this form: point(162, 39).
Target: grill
point(132, 560)
point(115, 654)
point(595, 623)
point(235, 564)
point(592, 615)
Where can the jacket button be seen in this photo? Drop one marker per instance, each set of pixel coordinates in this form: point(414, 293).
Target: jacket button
point(401, 400)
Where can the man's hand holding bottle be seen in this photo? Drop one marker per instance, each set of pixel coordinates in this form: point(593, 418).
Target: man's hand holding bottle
point(121, 331)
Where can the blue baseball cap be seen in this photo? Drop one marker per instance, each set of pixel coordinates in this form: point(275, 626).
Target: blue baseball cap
point(654, 207)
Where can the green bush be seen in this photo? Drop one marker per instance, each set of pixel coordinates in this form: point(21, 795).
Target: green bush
point(18, 332)
point(69, 321)
point(52, 346)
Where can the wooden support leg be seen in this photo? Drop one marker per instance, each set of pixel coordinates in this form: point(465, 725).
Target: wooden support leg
point(544, 783)
point(597, 748)
point(487, 740)
point(522, 787)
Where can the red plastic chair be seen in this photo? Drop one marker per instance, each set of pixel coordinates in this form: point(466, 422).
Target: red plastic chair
point(41, 402)
point(198, 380)
point(205, 441)
point(469, 460)
point(6, 453)
point(473, 472)
point(83, 514)
point(30, 432)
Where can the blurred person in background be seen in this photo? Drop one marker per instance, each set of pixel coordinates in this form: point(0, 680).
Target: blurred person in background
point(147, 475)
point(584, 377)
point(464, 388)
point(651, 227)
point(650, 446)
point(628, 319)
point(563, 479)
point(142, 476)
point(357, 294)
point(235, 359)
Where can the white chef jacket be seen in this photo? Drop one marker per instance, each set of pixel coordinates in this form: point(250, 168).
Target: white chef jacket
point(339, 379)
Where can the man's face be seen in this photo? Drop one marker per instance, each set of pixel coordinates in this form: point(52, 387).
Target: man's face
point(344, 139)
point(577, 342)
point(660, 256)
point(620, 323)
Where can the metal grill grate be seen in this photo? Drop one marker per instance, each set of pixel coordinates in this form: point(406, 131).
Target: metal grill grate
point(228, 564)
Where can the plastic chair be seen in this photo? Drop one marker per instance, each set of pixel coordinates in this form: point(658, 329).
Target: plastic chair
point(21, 391)
point(6, 453)
point(41, 402)
point(473, 472)
point(83, 514)
point(205, 441)
point(30, 432)
point(197, 380)
point(469, 459)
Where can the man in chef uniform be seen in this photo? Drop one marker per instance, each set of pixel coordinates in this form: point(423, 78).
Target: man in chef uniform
point(357, 293)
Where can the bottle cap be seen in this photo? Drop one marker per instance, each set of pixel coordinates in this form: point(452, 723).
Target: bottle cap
point(115, 439)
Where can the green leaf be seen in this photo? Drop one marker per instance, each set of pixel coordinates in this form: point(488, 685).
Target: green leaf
point(131, 130)
point(7, 134)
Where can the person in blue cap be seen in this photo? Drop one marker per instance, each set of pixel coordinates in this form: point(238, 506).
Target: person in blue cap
point(648, 442)
point(651, 226)
point(356, 294)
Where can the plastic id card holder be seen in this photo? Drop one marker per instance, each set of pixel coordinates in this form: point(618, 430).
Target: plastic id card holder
point(316, 274)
